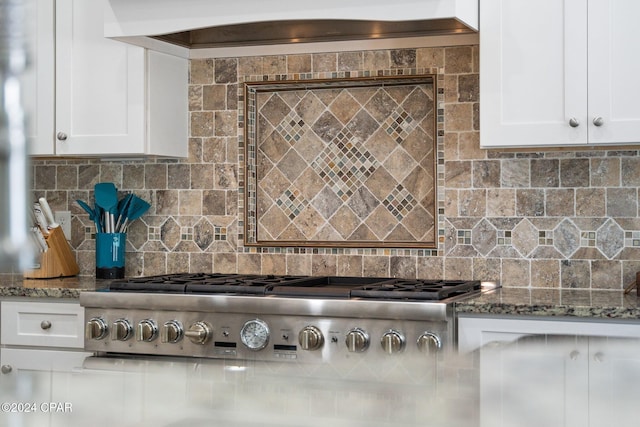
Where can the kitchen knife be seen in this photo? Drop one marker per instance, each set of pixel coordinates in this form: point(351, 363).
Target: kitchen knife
point(40, 219)
point(39, 238)
point(46, 209)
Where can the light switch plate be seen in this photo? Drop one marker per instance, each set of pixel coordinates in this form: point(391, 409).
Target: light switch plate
point(64, 219)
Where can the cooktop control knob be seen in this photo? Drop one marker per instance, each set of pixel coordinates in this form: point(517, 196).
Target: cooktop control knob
point(171, 332)
point(310, 338)
point(357, 340)
point(121, 330)
point(147, 330)
point(199, 332)
point(429, 343)
point(96, 329)
point(392, 342)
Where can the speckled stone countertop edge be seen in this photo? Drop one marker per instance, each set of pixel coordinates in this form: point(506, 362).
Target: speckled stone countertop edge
point(578, 303)
point(510, 309)
point(15, 286)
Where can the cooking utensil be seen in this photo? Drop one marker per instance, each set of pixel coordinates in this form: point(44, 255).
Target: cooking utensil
point(137, 208)
point(93, 216)
point(106, 196)
point(46, 209)
point(123, 206)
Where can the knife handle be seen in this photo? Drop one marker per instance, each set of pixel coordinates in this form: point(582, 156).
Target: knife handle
point(40, 219)
point(46, 209)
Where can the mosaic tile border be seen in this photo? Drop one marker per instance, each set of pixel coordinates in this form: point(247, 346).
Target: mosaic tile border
point(440, 155)
point(398, 202)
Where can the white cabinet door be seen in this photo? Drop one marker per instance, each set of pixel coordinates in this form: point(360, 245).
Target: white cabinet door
point(559, 72)
point(558, 372)
point(38, 81)
point(614, 67)
point(26, 379)
point(535, 381)
point(86, 95)
point(614, 382)
point(100, 85)
point(533, 79)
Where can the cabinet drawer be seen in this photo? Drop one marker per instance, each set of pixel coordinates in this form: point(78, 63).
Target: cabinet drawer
point(42, 324)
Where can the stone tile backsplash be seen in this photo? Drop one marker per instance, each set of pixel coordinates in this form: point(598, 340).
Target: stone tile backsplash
point(552, 219)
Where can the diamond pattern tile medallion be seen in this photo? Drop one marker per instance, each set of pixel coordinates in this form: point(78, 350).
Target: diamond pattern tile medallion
point(324, 139)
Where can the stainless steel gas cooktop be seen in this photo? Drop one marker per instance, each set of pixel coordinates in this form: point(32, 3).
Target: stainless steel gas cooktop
point(266, 317)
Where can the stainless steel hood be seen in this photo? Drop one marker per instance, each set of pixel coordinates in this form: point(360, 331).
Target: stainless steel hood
point(207, 24)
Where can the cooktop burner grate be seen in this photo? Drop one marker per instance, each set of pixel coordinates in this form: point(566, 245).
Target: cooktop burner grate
point(297, 286)
point(416, 289)
point(200, 283)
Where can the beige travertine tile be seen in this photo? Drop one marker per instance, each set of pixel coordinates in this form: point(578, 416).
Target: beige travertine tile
point(458, 59)
point(299, 64)
point(276, 64)
point(323, 62)
point(155, 176)
point(469, 146)
point(501, 202)
point(324, 265)
point(249, 263)
point(350, 61)
point(349, 265)
point(403, 58)
point(515, 273)
point(250, 66)
point(179, 176)
point(213, 97)
point(376, 60)
point(195, 97)
point(560, 202)
point(590, 202)
point(605, 172)
point(225, 262)
point(375, 266)
point(274, 264)
point(201, 71)
point(545, 273)
point(430, 57)
point(201, 123)
point(190, 202)
point(458, 117)
point(225, 70)
point(298, 264)
point(472, 203)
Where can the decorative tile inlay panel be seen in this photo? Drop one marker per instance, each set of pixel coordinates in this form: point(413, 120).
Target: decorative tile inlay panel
point(345, 162)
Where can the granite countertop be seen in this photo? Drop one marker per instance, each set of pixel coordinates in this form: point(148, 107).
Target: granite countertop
point(584, 303)
point(13, 285)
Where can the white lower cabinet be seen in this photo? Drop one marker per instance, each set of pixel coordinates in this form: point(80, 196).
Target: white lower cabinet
point(41, 343)
point(554, 372)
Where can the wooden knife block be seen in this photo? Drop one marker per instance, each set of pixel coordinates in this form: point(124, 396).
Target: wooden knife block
point(57, 261)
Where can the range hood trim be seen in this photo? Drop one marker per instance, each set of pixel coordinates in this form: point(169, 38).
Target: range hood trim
point(139, 21)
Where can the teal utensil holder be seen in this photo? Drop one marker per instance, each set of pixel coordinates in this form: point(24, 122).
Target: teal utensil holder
point(110, 255)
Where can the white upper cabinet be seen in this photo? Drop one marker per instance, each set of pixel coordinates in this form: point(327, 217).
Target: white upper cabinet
point(103, 90)
point(559, 72)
